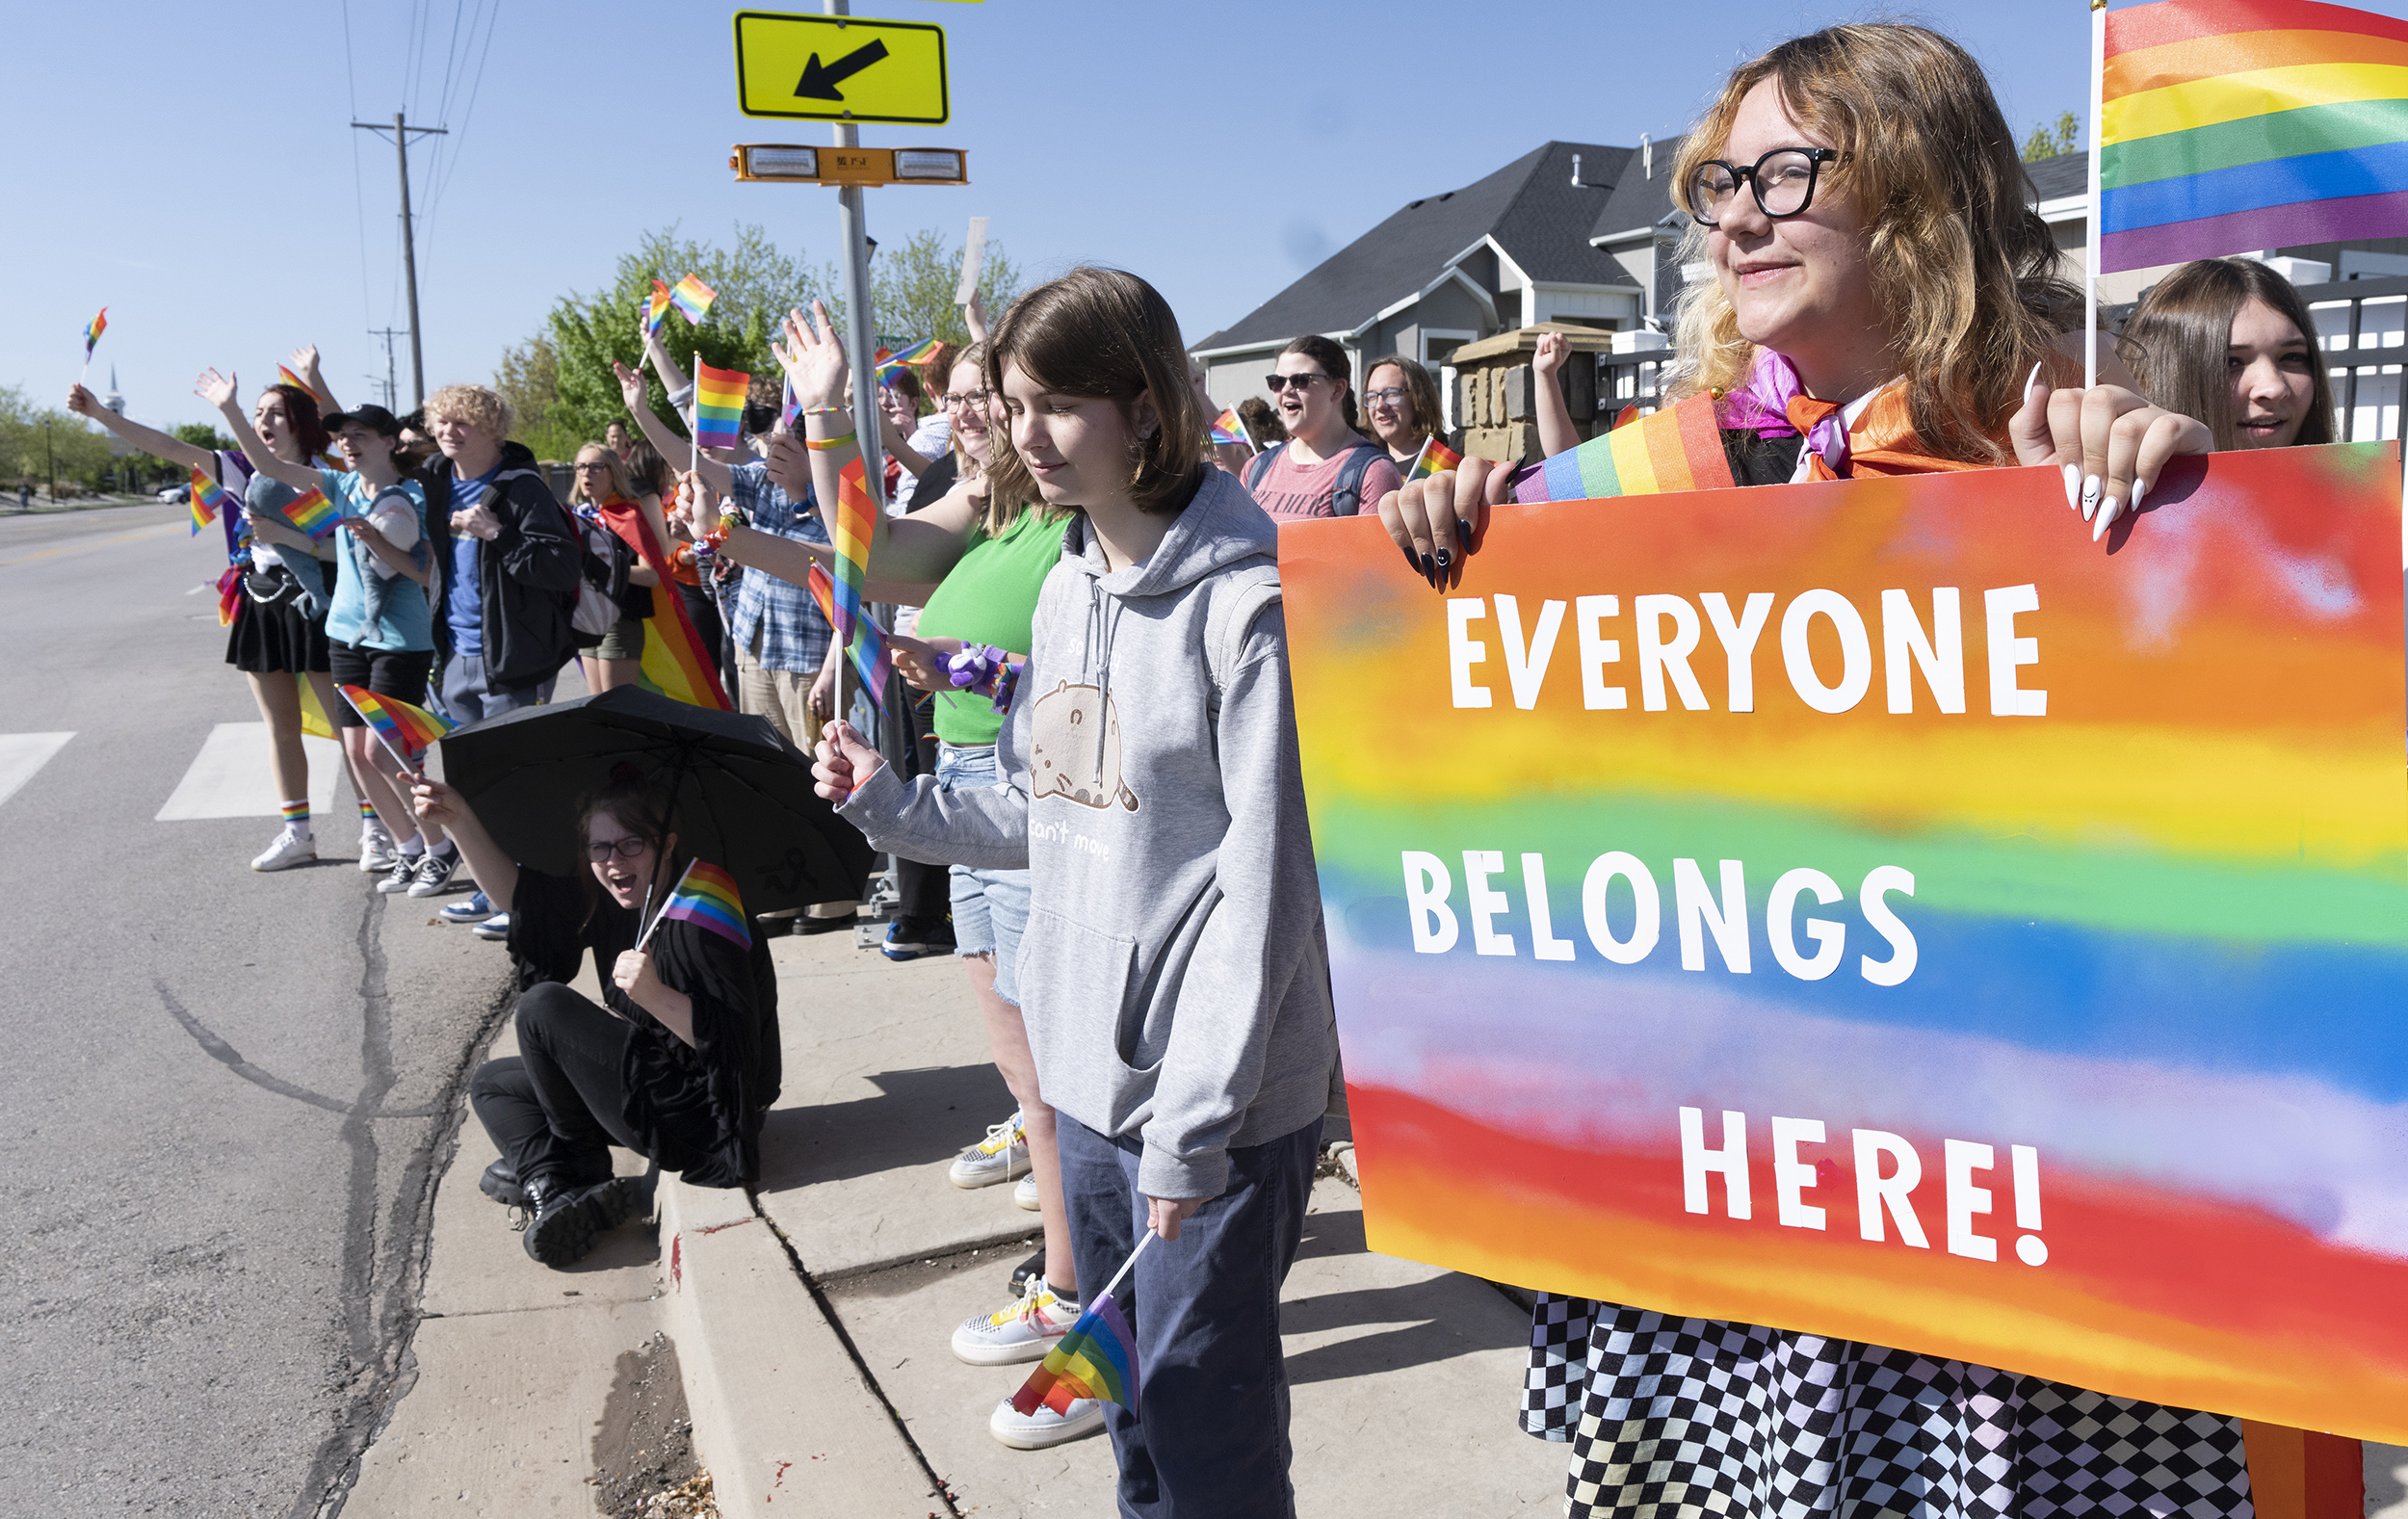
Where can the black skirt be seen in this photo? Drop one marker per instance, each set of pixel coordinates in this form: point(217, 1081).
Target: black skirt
point(271, 638)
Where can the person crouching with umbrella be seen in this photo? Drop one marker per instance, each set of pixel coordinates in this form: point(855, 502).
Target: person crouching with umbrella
point(679, 1062)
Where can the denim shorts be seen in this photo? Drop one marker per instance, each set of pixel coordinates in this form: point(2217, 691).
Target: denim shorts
point(990, 906)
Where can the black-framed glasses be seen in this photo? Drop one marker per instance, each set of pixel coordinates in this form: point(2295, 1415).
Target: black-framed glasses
point(600, 851)
point(963, 397)
point(1303, 382)
point(1782, 181)
point(593, 465)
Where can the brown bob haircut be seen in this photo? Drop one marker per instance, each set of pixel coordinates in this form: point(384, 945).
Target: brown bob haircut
point(2176, 342)
point(301, 414)
point(1420, 391)
point(1107, 336)
point(1965, 269)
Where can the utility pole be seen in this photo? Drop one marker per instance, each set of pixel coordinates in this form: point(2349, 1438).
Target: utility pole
point(401, 132)
point(50, 455)
point(389, 334)
point(859, 320)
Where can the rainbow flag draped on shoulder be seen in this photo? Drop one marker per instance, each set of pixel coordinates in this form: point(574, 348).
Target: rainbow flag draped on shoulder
point(1679, 448)
point(2233, 124)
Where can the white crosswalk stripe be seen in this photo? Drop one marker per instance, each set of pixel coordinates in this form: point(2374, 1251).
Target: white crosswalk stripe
point(230, 776)
point(21, 754)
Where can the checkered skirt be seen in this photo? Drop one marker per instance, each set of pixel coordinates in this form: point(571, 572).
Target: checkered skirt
point(1671, 1417)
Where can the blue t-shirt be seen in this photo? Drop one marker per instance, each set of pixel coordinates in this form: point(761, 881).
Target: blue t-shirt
point(463, 607)
point(403, 620)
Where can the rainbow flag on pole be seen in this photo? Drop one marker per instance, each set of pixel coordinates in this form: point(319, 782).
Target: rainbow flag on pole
point(1098, 1358)
point(917, 354)
point(692, 297)
point(706, 896)
point(655, 307)
point(2234, 124)
point(719, 404)
point(209, 498)
point(409, 731)
point(1228, 428)
point(93, 330)
point(311, 512)
point(1679, 448)
point(285, 376)
point(871, 660)
point(1434, 458)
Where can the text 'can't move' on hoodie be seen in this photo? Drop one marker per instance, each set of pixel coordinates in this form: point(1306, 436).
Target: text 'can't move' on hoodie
point(1174, 974)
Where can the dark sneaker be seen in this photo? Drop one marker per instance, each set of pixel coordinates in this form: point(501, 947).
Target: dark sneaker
point(567, 1219)
point(401, 876)
point(476, 910)
point(501, 1184)
point(911, 938)
point(436, 870)
point(1033, 1266)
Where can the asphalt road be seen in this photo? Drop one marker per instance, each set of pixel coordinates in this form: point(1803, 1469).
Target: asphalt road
point(225, 1093)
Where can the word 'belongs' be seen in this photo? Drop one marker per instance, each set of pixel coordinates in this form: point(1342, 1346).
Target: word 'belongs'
point(1665, 632)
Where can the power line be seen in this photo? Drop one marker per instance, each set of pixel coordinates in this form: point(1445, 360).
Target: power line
point(359, 193)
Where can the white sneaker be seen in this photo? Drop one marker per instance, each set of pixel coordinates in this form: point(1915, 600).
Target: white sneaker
point(376, 854)
point(1025, 1193)
point(1000, 1156)
point(1022, 1332)
point(292, 847)
point(1035, 1432)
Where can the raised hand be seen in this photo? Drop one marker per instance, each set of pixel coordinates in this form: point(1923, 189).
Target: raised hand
point(2110, 443)
point(631, 387)
point(303, 361)
point(692, 505)
point(215, 388)
point(83, 402)
point(1554, 348)
point(813, 357)
point(432, 801)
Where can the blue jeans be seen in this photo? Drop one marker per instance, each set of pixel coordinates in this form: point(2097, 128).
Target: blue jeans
point(468, 698)
point(990, 906)
point(1212, 1385)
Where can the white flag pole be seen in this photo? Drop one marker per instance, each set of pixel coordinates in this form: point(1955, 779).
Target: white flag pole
point(665, 901)
point(2090, 283)
point(1144, 1239)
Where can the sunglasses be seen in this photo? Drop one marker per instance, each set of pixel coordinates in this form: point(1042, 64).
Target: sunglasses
point(1280, 382)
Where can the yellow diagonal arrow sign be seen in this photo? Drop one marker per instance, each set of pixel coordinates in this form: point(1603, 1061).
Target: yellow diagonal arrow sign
point(840, 68)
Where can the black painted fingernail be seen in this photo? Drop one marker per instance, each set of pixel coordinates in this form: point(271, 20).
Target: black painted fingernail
point(1446, 560)
point(1410, 562)
point(1463, 534)
point(1431, 577)
point(1430, 569)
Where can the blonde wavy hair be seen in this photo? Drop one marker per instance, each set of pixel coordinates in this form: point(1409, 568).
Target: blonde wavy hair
point(481, 408)
point(1965, 267)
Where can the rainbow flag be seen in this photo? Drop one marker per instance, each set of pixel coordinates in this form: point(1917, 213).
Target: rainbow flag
point(871, 658)
point(1229, 428)
point(719, 404)
point(209, 498)
point(655, 307)
point(856, 527)
point(918, 354)
point(1679, 448)
point(692, 298)
point(2233, 124)
point(1436, 456)
point(406, 730)
point(93, 330)
point(285, 376)
point(1098, 1358)
point(789, 406)
point(311, 512)
point(706, 896)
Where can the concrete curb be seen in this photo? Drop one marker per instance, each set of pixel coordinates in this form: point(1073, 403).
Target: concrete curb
point(782, 1419)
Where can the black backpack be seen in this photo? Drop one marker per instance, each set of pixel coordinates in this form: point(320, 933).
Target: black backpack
point(1346, 495)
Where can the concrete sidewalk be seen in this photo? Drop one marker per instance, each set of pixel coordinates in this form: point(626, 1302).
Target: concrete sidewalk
point(813, 1323)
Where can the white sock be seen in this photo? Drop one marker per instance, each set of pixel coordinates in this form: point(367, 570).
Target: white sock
point(412, 849)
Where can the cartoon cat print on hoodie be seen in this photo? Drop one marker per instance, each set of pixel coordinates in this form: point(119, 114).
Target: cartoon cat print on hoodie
point(1076, 747)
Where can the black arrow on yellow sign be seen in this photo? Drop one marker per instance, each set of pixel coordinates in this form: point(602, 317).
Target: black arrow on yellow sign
point(820, 80)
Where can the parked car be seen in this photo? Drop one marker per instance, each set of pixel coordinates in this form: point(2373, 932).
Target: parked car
point(177, 493)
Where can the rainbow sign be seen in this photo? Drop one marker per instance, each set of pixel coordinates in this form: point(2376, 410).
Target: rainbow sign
point(1874, 910)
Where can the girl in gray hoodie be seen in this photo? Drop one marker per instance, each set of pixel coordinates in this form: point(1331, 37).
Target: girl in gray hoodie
point(1174, 974)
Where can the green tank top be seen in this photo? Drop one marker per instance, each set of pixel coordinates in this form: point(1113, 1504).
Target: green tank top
point(990, 597)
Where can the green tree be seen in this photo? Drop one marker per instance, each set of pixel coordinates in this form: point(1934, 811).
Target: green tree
point(36, 440)
point(2047, 141)
point(530, 380)
point(201, 434)
point(911, 288)
point(756, 284)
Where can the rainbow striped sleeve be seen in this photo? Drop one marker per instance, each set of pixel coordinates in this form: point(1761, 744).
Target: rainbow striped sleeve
point(707, 898)
point(1679, 448)
point(719, 404)
point(2232, 125)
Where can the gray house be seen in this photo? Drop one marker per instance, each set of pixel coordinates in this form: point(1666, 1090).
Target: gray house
point(1580, 233)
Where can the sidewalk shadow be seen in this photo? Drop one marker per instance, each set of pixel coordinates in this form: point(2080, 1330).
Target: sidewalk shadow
point(1439, 1335)
point(919, 1116)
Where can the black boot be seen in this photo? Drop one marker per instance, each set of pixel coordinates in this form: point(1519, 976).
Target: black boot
point(501, 1184)
point(568, 1219)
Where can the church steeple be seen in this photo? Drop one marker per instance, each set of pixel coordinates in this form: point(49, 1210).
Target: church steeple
point(116, 400)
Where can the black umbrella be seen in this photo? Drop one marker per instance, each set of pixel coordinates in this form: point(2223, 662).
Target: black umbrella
point(744, 800)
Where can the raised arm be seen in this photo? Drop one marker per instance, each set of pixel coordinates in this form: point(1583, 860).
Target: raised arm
point(496, 873)
point(1555, 433)
point(672, 373)
point(219, 390)
point(632, 391)
point(158, 445)
point(303, 361)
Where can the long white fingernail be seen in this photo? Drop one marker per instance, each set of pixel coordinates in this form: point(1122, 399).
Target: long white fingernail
point(2033, 381)
point(2106, 516)
point(2089, 496)
point(2073, 485)
point(2139, 489)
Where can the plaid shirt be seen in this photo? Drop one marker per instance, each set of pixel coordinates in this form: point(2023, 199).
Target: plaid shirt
point(775, 620)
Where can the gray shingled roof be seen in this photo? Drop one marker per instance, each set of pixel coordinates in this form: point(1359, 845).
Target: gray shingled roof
point(1640, 201)
point(1529, 206)
point(2065, 175)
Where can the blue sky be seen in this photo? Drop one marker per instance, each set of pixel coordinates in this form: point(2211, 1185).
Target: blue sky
point(191, 167)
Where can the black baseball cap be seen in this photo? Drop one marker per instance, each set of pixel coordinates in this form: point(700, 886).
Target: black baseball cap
point(376, 419)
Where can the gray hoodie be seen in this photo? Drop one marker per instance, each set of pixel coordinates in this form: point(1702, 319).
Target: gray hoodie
point(1173, 974)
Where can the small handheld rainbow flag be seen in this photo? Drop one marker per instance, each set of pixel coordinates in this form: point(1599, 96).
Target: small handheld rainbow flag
point(1098, 1358)
point(789, 406)
point(706, 896)
point(93, 330)
point(286, 376)
point(209, 498)
point(855, 527)
point(692, 298)
point(1229, 428)
point(871, 660)
point(719, 404)
point(1678, 448)
point(921, 352)
point(1434, 458)
point(407, 732)
point(311, 512)
point(655, 307)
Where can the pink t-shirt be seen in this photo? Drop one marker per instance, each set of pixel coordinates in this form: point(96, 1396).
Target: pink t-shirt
point(1289, 490)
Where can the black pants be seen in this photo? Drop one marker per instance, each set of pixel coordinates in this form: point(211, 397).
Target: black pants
point(554, 1109)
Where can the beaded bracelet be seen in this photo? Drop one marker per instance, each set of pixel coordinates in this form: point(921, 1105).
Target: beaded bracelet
point(820, 445)
point(821, 412)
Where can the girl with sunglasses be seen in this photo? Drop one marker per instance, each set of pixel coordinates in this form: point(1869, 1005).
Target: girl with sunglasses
point(679, 1061)
point(1327, 468)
